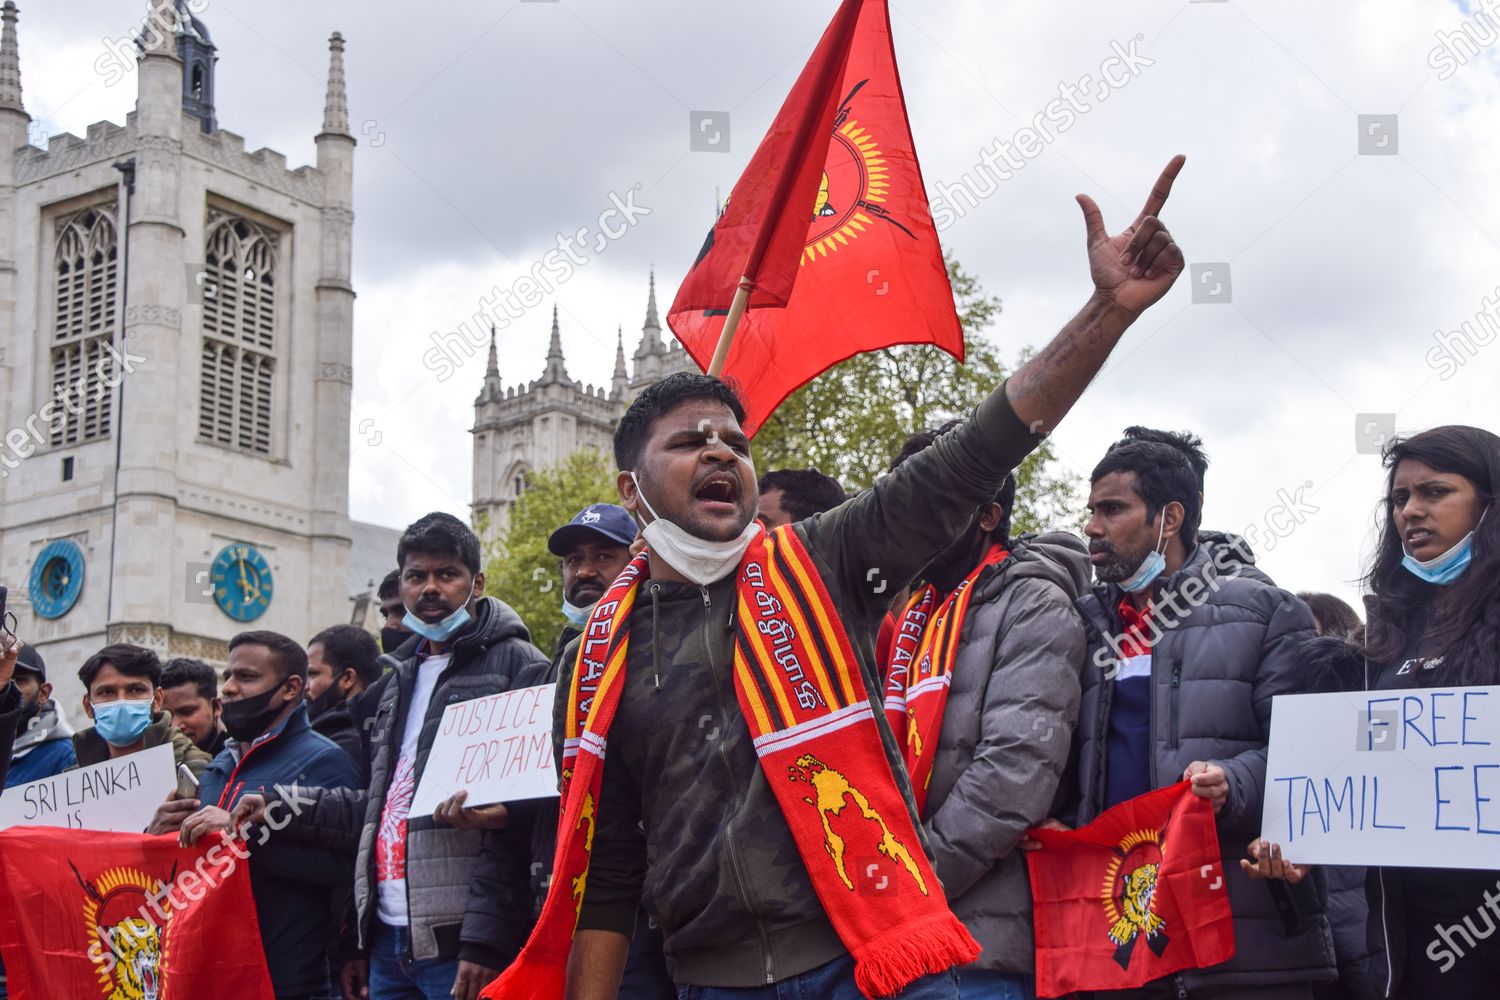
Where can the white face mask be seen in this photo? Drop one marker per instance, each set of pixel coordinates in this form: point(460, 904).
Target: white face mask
point(698, 559)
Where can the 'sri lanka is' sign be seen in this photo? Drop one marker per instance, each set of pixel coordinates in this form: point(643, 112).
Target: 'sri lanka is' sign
point(119, 795)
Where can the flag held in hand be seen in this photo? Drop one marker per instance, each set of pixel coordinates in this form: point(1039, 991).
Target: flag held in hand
point(827, 235)
point(1136, 895)
point(115, 915)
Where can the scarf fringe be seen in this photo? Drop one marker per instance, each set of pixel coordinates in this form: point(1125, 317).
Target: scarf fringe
point(528, 979)
point(890, 963)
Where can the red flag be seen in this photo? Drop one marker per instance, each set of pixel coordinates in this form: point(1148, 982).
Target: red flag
point(830, 223)
point(1136, 895)
point(126, 915)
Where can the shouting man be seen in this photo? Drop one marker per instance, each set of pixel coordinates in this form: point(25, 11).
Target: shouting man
point(753, 795)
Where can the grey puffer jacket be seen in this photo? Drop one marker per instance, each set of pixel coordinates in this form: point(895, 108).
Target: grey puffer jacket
point(466, 891)
point(1216, 665)
point(1012, 706)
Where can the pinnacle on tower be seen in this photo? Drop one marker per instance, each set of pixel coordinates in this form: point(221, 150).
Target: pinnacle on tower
point(651, 321)
point(651, 330)
point(555, 371)
point(620, 383)
point(620, 352)
point(158, 35)
point(10, 61)
point(492, 369)
point(336, 105)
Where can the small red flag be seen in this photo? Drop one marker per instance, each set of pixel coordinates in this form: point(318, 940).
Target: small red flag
point(1136, 895)
point(127, 915)
point(830, 223)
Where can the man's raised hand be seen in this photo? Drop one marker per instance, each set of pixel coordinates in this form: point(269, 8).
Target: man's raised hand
point(10, 652)
point(1136, 267)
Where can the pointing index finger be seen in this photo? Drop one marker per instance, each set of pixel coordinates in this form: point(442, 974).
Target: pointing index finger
point(1163, 188)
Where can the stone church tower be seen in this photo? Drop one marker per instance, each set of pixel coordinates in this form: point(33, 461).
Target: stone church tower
point(538, 424)
point(176, 325)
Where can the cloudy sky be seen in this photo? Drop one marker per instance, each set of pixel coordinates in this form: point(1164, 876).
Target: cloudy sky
point(488, 128)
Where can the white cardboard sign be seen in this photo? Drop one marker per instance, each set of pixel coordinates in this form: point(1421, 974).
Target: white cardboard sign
point(497, 748)
point(1409, 777)
point(120, 795)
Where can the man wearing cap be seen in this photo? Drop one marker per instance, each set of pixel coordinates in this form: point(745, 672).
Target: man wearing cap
point(44, 740)
point(594, 547)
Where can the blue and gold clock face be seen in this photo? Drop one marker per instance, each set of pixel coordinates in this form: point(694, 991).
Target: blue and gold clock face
point(241, 579)
point(56, 579)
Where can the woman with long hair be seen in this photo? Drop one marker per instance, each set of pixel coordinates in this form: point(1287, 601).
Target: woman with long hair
point(1433, 620)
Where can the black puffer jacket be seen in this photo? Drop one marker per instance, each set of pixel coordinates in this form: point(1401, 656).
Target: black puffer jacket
point(10, 721)
point(1214, 670)
point(466, 891)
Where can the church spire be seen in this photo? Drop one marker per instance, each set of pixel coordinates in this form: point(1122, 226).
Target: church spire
point(651, 330)
point(10, 61)
point(491, 391)
point(555, 371)
point(621, 380)
point(651, 321)
point(336, 104)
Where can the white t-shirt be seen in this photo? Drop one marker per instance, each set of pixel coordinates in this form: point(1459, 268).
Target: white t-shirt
point(390, 839)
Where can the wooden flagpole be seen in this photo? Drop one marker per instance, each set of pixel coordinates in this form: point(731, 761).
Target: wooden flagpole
point(731, 321)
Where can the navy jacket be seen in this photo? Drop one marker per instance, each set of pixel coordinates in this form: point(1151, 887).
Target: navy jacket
point(294, 884)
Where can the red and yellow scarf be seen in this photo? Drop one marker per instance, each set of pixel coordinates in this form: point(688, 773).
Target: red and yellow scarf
point(800, 689)
point(922, 657)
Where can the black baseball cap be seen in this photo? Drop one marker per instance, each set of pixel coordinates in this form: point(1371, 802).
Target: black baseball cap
point(30, 660)
point(608, 521)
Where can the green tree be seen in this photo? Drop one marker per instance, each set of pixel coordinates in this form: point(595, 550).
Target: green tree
point(852, 420)
point(519, 570)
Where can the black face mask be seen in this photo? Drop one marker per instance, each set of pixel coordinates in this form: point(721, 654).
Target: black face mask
point(392, 638)
point(330, 698)
point(249, 717)
point(29, 710)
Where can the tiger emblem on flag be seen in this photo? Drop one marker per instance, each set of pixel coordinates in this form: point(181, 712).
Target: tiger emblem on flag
point(1129, 895)
point(128, 942)
point(137, 970)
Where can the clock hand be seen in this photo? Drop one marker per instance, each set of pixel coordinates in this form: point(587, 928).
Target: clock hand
point(244, 584)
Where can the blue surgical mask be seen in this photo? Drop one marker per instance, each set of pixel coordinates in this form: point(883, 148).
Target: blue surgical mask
point(1449, 566)
point(578, 617)
point(120, 723)
point(1150, 568)
point(438, 631)
point(1444, 569)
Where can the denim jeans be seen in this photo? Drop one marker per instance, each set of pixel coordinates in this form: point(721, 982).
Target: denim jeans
point(393, 977)
point(834, 981)
point(985, 984)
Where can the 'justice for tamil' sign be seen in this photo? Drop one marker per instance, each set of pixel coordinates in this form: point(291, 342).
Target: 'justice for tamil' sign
point(497, 748)
point(1368, 777)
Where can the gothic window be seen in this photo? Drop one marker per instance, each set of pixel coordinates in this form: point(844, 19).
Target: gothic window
point(238, 364)
point(85, 282)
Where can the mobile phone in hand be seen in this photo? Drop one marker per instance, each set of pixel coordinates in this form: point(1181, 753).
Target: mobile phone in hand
point(187, 782)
